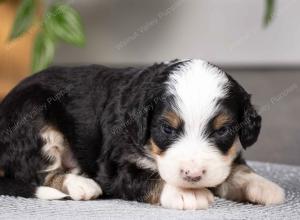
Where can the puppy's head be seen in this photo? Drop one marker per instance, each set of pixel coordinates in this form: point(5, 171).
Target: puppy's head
point(194, 132)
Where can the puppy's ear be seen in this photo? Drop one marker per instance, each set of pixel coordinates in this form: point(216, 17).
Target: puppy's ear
point(147, 94)
point(138, 129)
point(250, 125)
point(143, 123)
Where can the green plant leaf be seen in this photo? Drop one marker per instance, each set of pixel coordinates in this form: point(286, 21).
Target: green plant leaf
point(269, 11)
point(64, 23)
point(24, 18)
point(43, 52)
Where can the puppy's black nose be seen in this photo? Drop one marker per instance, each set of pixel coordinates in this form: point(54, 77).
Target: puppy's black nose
point(192, 175)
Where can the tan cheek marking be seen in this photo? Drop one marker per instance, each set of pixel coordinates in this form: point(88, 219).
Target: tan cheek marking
point(232, 152)
point(153, 197)
point(220, 120)
point(2, 173)
point(173, 119)
point(155, 150)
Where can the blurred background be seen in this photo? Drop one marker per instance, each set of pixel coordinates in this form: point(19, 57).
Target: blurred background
point(232, 34)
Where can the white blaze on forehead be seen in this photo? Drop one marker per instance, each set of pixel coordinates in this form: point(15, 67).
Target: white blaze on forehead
point(197, 87)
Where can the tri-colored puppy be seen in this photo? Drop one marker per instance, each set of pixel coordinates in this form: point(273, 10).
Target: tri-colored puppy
point(167, 134)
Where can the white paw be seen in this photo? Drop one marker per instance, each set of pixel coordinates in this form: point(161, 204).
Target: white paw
point(48, 193)
point(262, 191)
point(176, 198)
point(81, 188)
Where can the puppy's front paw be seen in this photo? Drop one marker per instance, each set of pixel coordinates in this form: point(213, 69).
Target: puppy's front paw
point(176, 198)
point(81, 188)
point(262, 191)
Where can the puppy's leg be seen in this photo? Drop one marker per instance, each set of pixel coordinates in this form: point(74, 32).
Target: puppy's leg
point(76, 186)
point(245, 185)
point(62, 172)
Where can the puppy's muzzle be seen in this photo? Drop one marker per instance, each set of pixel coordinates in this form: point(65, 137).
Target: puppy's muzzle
point(192, 174)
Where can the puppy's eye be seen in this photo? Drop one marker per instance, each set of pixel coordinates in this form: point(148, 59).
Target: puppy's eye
point(167, 129)
point(222, 131)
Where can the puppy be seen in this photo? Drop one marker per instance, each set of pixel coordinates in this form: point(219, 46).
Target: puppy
point(167, 134)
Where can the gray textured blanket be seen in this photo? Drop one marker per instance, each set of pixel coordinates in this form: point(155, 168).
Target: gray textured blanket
point(287, 176)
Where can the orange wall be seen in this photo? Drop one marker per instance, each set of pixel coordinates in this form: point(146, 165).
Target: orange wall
point(15, 56)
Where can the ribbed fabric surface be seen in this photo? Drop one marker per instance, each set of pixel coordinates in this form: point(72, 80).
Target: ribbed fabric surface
point(286, 176)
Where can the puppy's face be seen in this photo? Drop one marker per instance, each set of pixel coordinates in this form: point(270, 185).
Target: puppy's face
point(195, 132)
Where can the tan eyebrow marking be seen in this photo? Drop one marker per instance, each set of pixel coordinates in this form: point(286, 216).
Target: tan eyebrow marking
point(220, 120)
point(173, 119)
point(155, 150)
